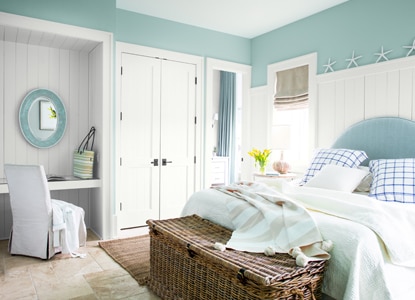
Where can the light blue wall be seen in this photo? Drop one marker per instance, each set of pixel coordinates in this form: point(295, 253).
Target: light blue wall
point(135, 28)
point(95, 14)
point(360, 25)
point(158, 33)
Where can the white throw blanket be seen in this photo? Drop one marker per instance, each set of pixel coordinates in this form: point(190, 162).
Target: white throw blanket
point(268, 221)
point(69, 230)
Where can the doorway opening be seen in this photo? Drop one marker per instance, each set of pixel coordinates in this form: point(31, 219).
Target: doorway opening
point(214, 116)
point(227, 121)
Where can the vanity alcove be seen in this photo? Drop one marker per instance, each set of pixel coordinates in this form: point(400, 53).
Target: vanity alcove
point(75, 63)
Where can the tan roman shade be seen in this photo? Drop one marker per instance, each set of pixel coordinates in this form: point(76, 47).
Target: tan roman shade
point(291, 89)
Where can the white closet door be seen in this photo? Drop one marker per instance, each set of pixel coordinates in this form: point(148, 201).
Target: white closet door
point(140, 140)
point(158, 123)
point(178, 129)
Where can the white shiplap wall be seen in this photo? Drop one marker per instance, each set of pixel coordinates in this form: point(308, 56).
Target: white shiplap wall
point(30, 60)
point(346, 97)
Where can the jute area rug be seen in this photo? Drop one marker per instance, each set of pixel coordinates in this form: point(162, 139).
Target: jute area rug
point(133, 254)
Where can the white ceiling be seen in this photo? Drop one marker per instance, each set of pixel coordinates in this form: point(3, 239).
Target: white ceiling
point(45, 39)
point(245, 18)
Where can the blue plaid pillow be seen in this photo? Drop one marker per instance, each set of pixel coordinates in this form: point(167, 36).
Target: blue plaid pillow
point(341, 157)
point(393, 179)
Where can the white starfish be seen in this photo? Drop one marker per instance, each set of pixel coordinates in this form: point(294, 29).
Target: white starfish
point(353, 60)
point(328, 66)
point(382, 54)
point(411, 48)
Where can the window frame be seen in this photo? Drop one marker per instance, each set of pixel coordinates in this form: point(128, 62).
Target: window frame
point(311, 61)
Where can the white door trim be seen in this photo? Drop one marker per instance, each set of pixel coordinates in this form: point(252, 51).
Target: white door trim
point(216, 64)
point(122, 47)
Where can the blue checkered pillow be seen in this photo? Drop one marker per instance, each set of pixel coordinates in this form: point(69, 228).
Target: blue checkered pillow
point(341, 157)
point(393, 179)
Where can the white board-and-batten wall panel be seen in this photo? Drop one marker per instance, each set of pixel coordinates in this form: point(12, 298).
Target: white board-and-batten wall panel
point(25, 67)
point(59, 70)
point(349, 96)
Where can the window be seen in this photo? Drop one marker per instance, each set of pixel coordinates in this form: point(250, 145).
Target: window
point(292, 86)
point(298, 122)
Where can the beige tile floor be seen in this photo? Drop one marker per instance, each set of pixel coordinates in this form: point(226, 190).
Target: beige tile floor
point(95, 277)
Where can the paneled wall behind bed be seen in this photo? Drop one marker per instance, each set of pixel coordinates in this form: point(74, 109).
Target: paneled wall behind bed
point(348, 96)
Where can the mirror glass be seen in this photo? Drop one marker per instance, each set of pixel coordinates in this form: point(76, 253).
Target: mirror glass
point(42, 118)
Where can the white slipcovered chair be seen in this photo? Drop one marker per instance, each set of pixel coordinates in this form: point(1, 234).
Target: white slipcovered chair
point(41, 226)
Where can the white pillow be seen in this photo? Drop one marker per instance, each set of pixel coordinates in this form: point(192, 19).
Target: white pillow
point(334, 177)
point(393, 179)
point(341, 157)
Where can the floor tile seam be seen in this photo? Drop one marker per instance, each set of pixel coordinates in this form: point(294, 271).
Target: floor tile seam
point(33, 284)
point(89, 284)
point(99, 264)
point(3, 267)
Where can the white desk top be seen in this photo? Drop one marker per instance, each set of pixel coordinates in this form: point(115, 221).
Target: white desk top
point(69, 183)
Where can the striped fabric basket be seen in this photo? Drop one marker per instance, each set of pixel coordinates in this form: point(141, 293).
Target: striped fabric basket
point(83, 164)
point(83, 159)
point(184, 265)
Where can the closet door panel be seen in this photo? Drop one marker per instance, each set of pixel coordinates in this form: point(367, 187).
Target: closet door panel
point(140, 139)
point(175, 183)
point(178, 104)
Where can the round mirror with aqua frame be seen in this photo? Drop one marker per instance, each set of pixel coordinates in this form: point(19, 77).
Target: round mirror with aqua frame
point(42, 118)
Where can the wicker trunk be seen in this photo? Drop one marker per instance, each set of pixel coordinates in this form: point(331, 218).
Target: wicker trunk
point(185, 265)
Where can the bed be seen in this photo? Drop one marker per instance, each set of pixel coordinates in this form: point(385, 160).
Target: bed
point(360, 193)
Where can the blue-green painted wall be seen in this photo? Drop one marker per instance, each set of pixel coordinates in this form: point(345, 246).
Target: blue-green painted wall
point(135, 28)
point(96, 14)
point(159, 33)
point(363, 26)
point(360, 25)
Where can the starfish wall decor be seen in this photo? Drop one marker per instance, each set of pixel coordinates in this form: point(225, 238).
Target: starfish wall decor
point(353, 60)
point(382, 55)
point(329, 66)
point(411, 48)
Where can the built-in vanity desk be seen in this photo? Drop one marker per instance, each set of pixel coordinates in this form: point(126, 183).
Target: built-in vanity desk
point(63, 71)
point(69, 183)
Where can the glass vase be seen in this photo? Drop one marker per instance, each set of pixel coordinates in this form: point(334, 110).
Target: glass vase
point(262, 169)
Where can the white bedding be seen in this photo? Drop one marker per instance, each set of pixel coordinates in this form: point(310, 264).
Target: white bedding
point(360, 267)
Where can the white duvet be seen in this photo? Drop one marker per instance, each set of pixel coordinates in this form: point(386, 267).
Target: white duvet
point(374, 242)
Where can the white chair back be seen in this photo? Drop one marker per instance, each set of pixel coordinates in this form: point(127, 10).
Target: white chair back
point(31, 206)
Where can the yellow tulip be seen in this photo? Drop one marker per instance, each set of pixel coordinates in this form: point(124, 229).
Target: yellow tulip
point(261, 158)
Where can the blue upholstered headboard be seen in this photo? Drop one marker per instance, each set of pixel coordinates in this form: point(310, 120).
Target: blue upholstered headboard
point(384, 137)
